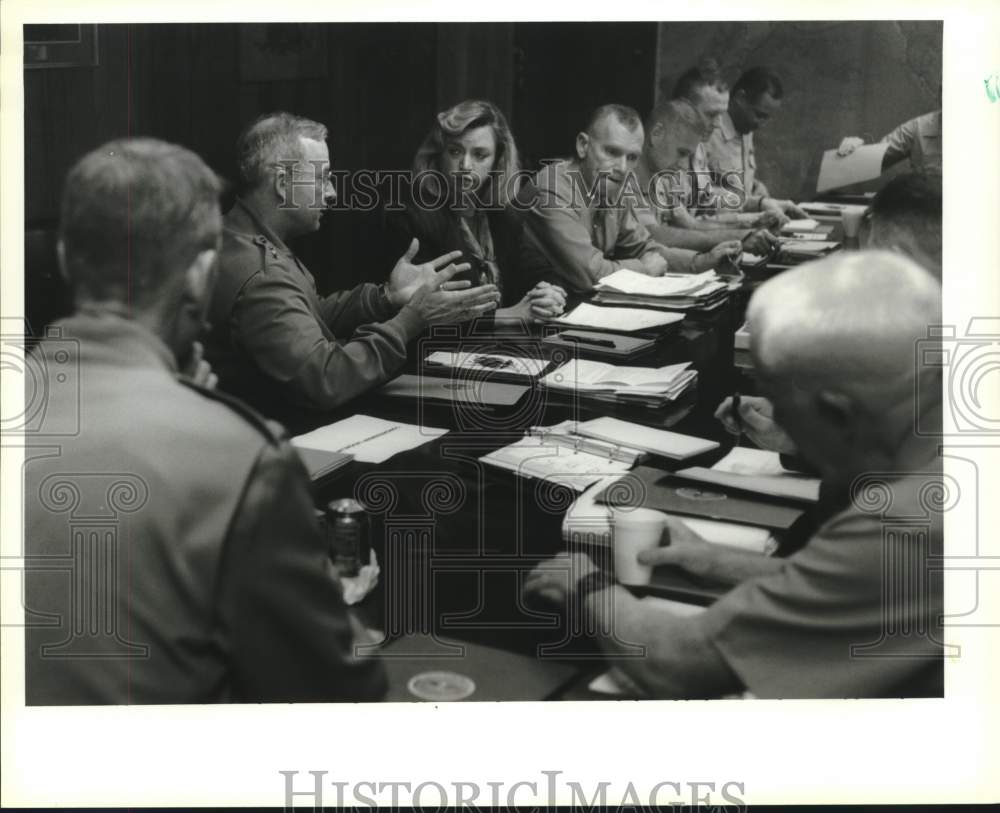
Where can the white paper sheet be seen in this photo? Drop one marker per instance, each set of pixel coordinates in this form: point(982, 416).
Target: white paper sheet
point(621, 319)
point(658, 441)
point(743, 460)
point(632, 282)
point(861, 165)
point(803, 224)
point(370, 440)
point(757, 470)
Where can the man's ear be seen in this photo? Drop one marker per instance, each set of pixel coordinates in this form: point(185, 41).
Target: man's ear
point(657, 133)
point(582, 144)
point(837, 411)
point(280, 184)
point(200, 277)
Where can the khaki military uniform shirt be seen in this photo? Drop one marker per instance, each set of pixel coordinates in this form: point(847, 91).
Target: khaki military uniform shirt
point(582, 239)
point(172, 555)
point(733, 162)
point(920, 140)
point(855, 613)
point(275, 342)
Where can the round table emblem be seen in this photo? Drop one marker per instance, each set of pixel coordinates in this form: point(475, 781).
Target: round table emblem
point(441, 686)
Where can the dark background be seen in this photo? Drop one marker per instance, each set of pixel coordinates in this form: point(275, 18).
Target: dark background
point(377, 86)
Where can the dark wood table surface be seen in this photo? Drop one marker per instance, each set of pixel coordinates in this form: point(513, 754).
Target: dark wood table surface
point(455, 538)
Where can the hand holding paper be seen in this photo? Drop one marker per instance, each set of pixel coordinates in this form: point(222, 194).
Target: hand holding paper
point(862, 164)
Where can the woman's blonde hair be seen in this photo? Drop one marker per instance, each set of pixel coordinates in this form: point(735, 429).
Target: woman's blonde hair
point(451, 124)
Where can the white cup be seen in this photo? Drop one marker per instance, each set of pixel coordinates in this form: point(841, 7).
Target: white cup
point(635, 530)
point(850, 219)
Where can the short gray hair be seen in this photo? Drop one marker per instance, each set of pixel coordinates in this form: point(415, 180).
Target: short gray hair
point(135, 214)
point(270, 139)
point(850, 321)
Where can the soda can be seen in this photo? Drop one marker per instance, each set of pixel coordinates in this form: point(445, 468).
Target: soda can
point(350, 544)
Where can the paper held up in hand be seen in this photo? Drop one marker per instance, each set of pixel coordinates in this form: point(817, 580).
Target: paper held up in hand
point(861, 165)
point(370, 440)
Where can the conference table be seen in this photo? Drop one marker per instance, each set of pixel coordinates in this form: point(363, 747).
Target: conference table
point(456, 538)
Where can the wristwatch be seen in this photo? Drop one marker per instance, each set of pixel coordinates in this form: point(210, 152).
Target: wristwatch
point(594, 582)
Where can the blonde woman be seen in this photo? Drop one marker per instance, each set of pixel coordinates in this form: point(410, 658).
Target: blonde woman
point(465, 175)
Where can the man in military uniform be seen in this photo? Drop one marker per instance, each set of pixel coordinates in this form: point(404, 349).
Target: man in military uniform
point(274, 341)
point(754, 99)
point(171, 549)
point(857, 611)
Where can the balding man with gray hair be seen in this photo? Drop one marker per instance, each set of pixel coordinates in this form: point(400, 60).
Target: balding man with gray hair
point(274, 341)
point(857, 611)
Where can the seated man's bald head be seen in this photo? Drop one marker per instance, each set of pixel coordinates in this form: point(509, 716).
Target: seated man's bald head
point(905, 217)
point(840, 335)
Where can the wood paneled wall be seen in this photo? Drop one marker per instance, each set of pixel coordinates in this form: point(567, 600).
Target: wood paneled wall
point(378, 91)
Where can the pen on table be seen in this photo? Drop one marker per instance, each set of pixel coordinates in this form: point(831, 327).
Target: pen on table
point(736, 416)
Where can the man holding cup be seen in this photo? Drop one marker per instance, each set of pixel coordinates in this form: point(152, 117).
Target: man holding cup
point(826, 621)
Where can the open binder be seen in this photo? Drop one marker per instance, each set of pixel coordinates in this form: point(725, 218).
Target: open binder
point(561, 435)
point(557, 455)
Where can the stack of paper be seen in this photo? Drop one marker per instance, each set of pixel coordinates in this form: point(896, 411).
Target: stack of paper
point(805, 224)
point(830, 209)
point(621, 320)
point(588, 522)
point(656, 441)
point(642, 385)
point(793, 252)
point(678, 292)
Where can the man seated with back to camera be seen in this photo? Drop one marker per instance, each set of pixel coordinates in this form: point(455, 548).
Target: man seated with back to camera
point(577, 214)
point(905, 217)
point(210, 576)
point(274, 341)
point(842, 378)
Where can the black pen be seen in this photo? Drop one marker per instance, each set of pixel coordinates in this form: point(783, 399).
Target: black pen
point(736, 416)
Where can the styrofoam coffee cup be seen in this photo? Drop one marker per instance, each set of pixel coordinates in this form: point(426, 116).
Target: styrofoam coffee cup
point(850, 218)
point(635, 530)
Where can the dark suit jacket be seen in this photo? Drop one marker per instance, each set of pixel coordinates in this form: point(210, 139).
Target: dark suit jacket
point(521, 264)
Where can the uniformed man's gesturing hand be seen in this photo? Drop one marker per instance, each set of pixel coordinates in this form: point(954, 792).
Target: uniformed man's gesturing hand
point(444, 301)
point(406, 278)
